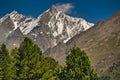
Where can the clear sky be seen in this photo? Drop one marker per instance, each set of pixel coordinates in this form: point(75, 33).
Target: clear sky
point(91, 10)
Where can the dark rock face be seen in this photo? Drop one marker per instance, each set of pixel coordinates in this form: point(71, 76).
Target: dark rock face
point(40, 36)
point(14, 39)
point(5, 27)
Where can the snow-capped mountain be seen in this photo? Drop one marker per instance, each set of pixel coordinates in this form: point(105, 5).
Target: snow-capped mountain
point(63, 26)
point(49, 29)
point(26, 24)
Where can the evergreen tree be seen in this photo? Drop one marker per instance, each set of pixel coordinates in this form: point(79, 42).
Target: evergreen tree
point(3, 57)
point(78, 67)
point(6, 64)
point(29, 59)
point(15, 62)
point(48, 69)
point(36, 61)
point(28, 63)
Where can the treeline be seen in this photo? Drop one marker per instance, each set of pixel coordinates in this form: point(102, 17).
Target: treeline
point(28, 63)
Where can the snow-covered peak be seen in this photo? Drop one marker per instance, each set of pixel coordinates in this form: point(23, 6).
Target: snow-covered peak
point(53, 9)
point(13, 12)
point(50, 12)
point(63, 25)
point(16, 18)
point(26, 24)
point(60, 24)
point(50, 28)
point(8, 15)
point(4, 18)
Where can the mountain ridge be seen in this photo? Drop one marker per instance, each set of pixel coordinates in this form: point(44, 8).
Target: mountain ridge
point(54, 25)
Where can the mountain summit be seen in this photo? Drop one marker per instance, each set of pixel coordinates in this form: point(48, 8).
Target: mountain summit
point(49, 29)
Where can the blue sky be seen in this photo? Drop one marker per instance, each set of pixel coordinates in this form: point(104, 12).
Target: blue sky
point(91, 10)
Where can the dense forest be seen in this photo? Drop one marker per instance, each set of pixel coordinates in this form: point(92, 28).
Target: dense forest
point(28, 63)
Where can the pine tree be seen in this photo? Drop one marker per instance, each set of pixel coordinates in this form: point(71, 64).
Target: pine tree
point(31, 64)
point(15, 62)
point(29, 59)
point(3, 64)
point(48, 69)
point(78, 67)
point(6, 64)
point(35, 63)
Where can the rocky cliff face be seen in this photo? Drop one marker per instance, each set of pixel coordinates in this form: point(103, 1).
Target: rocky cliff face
point(49, 29)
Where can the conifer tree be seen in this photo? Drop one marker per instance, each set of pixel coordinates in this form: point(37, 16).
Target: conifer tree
point(48, 69)
point(6, 64)
point(15, 62)
point(31, 64)
point(78, 67)
point(28, 63)
point(29, 59)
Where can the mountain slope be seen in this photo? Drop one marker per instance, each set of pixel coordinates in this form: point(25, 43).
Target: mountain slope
point(49, 29)
point(101, 43)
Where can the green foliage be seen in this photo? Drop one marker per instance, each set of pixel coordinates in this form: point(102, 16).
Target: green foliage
point(28, 63)
point(7, 70)
point(30, 55)
point(32, 65)
point(49, 68)
point(78, 67)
